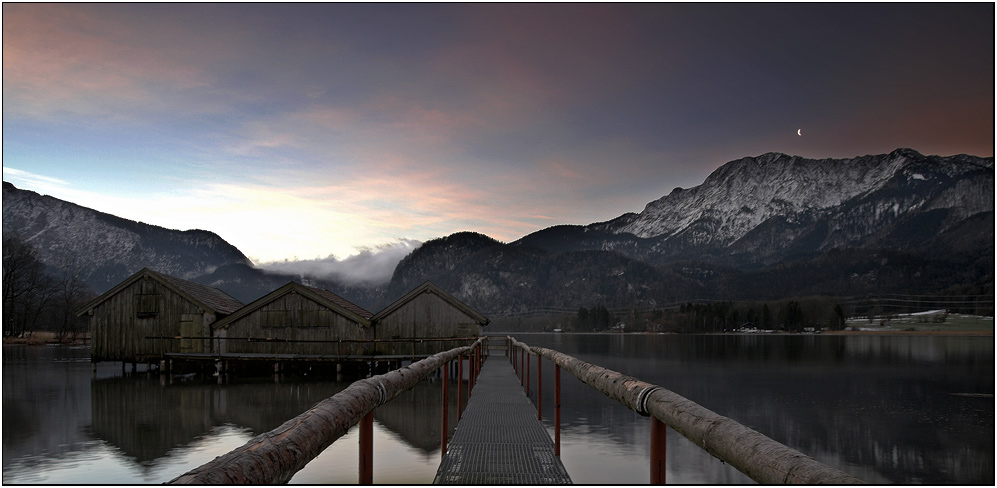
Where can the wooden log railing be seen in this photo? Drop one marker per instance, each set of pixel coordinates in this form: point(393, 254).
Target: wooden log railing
point(757, 456)
point(274, 457)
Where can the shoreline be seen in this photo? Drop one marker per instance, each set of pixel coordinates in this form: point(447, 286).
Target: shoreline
point(46, 338)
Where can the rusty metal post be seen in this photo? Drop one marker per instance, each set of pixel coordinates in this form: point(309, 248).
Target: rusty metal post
point(522, 366)
point(471, 373)
point(557, 410)
point(367, 449)
point(540, 389)
point(527, 354)
point(446, 389)
point(657, 451)
point(460, 385)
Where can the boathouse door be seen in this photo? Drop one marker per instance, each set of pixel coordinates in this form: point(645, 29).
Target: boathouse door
point(190, 326)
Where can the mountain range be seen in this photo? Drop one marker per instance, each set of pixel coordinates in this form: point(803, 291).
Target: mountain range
point(760, 227)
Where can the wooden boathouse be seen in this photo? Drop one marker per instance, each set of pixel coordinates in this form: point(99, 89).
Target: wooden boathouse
point(296, 319)
point(155, 318)
point(150, 314)
point(429, 314)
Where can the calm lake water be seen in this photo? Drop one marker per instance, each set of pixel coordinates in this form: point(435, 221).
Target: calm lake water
point(888, 409)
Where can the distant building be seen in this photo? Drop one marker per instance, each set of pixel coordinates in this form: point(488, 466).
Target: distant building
point(427, 312)
point(296, 319)
point(151, 317)
point(150, 314)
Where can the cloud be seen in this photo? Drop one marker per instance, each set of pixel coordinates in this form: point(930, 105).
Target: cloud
point(371, 266)
point(20, 177)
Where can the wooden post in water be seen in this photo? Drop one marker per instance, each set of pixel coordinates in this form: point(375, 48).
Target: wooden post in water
point(367, 449)
point(657, 451)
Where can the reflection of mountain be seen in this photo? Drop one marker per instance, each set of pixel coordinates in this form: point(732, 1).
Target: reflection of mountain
point(881, 408)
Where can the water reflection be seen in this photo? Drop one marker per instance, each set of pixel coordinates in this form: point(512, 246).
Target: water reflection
point(881, 408)
point(897, 409)
point(61, 425)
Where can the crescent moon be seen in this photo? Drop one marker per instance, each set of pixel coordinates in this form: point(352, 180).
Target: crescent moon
point(799, 132)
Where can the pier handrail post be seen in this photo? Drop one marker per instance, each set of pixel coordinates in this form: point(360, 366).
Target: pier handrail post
point(657, 451)
point(446, 389)
point(367, 449)
point(527, 355)
point(557, 410)
point(540, 389)
point(460, 384)
point(522, 366)
point(471, 373)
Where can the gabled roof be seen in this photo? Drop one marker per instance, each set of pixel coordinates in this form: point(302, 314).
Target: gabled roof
point(430, 287)
point(326, 298)
point(208, 298)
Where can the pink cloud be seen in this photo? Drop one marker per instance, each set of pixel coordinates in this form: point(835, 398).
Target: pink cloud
point(69, 58)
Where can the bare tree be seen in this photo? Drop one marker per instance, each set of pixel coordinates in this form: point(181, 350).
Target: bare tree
point(27, 290)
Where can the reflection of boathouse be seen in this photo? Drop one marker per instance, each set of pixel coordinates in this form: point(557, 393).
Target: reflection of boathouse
point(151, 317)
point(147, 419)
point(150, 314)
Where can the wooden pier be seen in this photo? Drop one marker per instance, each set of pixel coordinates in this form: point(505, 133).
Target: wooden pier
point(499, 440)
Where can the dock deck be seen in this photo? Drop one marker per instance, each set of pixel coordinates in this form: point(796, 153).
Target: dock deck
point(499, 439)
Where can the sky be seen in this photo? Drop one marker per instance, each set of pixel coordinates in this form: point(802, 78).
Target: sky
point(330, 131)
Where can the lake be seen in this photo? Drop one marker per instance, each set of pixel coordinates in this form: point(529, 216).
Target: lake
point(888, 409)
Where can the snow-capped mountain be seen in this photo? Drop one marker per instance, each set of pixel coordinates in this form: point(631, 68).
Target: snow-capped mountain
point(760, 227)
point(760, 210)
point(106, 249)
point(767, 226)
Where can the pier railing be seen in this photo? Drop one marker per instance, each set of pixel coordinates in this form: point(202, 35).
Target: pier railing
point(274, 457)
point(757, 456)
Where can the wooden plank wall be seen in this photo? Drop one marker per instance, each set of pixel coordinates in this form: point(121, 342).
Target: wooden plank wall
point(426, 315)
point(295, 317)
point(119, 332)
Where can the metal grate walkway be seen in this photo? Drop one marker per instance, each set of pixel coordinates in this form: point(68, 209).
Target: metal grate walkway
point(499, 439)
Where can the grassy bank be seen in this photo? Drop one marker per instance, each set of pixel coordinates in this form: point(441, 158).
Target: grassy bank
point(38, 338)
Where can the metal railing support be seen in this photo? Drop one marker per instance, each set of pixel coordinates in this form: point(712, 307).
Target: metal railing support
point(522, 366)
point(540, 390)
point(367, 449)
point(657, 451)
point(446, 389)
point(526, 355)
point(460, 385)
point(557, 410)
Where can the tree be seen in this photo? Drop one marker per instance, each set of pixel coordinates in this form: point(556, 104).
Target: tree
point(838, 318)
point(32, 298)
point(766, 319)
point(582, 323)
point(26, 288)
point(793, 316)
